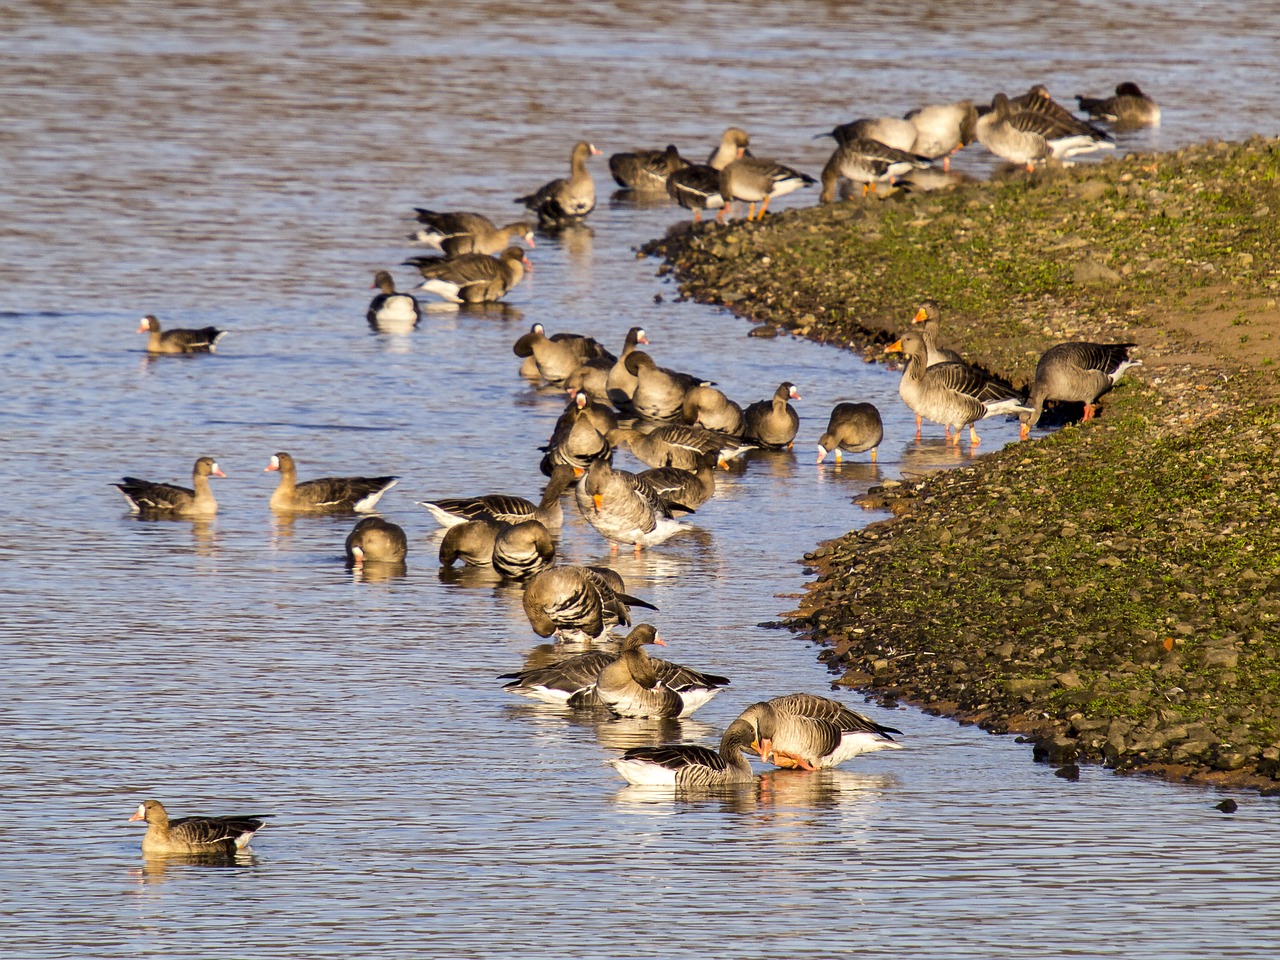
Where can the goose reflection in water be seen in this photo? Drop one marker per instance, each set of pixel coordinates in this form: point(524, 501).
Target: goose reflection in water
point(374, 571)
point(157, 870)
point(932, 454)
point(776, 793)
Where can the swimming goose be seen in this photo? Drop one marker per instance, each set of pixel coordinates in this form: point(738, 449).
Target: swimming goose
point(1027, 136)
point(620, 383)
point(889, 131)
point(811, 732)
point(505, 508)
point(943, 129)
point(391, 310)
point(623, 509)
point(1078, 372)
point(471, 542)
point(659, 393)
point(697, 186)
point(567, 200)
point(472, 277)
point(522, 549)
point(558, 356)
point(774, 423)
point(929, 316)
point(708, 407)
point(679, 445)
point(454, 233)
point(953, 394)
point(690, 766)
point(575, 442)
point(204, 340)
point(194, 836)
point(326, 494)
point(756, 180)
point(166, 499)
point(867, 162)
point(578, 604)
point(684, 490)
point(646, 171)
point(853, 428)
point(1130, 107)
point(374, 540)
point(632, 685)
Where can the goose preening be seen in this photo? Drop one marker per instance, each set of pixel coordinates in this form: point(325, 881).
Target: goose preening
point(810, 732)
point(204, 340)
point(755, 180)
point(707, 406)
point(679, 445)
point(853, 428)
point(867, 162)
point(454, 233)
point(390, 310)
point(569, 199)
point(953, 394)
point(522, 549)
point(1130, 107)
point(326, 494)
point(646, 171)
point(1078, 372)
point(696, 187)
point(943, 129)
point(558, 356)
point(632, 685)
point(773, 423)
point(472, 277)
point(1036, 132)
point(690, 766)
point(169, 500)
point(374, 540)
point(623, 509)
point(194, 836)
point(578, 604)
point(471, 542)
point(505, 508)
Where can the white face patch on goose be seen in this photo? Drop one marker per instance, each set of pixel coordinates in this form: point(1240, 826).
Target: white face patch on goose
point(274, 464)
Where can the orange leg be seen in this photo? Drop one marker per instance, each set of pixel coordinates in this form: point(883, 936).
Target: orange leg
point(919, 424)
point(973, 436)
point(751, 211)
point(760, 215)
point(1089, 411)
point(697, 216)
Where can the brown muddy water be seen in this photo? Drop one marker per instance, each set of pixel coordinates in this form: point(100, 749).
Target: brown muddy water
point(251, 166)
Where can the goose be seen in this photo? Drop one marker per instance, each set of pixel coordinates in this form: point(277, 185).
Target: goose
point(390, 309)
point(708, 407)
point(620, 383)
point(1037, 100)
point(505, 508)
point(575, 442)
point(867, 162)
point(697, 186)
point(597, 414)
point(558, 356)
point(567, 200)
point(632, 685)
point(646, 171)
point(929, 316)
point(578, 604)
point(1130, 107)
point(774, 423)
point(691, 766)
point(684, 490)
point(374, 540)
point(853, 428)
point(325, 495)
point(953, 394)
point(756, 180)
point(194, 836)
point(454, 233)
point(812, 732)
point(943, 129)
point(677, 445)
point(1078, 372)
point(522, 549)
point(204, 340)
point(624, 510)
point(472, 277)
point(471, 542)
point(899, 134)
point(659, 393)
point(166, 499)
point(1029, 135)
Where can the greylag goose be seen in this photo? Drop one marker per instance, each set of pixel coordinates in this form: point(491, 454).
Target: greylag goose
point(391, 310)
point(943, 129)
point(166, 499)
point(522, 549)
point(1027, 136)
point(1037, 100)
point(578, 604)
point(326, 494)
point(374, 540)
point(889, 131)
point(558, 356)
point(659, 393)
point(620, 383)
point(575, 442)
point(867, 162)
point(471, 542)
point(774, 423)
point(810, 732)
point(1130, 107)
point(953, 394)
point(456, 233)
point(204, 340)
point(623, 509)
point(472, 277)
point(646, 171)
point(756, 180)
point(679, 445)
point(929, 316)
point(853, 428)
point(194, 836)
point(684, 490)
point(567, 200)
point(690, 766)
point(708, 407)
point(1078, 372)
point(632, 686)
point(505, 508)
point(697, 186)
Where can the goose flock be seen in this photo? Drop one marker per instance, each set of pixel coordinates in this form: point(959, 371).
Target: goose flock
point(679, 426)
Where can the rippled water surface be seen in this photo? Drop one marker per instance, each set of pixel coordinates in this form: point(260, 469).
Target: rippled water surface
point(251, 165)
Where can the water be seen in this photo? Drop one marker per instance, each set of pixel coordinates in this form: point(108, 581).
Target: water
point(252, 166)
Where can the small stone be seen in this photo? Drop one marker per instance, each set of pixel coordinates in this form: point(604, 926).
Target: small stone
point(1227, 806)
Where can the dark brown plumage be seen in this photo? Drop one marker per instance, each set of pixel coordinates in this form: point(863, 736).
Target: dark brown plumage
point(326, 494)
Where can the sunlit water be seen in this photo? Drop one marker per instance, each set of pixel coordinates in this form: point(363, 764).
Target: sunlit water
point(251, 166)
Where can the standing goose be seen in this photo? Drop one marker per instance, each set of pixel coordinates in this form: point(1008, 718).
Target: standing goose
point(204, 340)
point(169, 500)
point(194, 836)
point(1078, 372)
point(623, 509)
point(522, 549)
point(505, 508)
point(326, 494)
point(867, 162)
point(774, 423)
point(708, 407)
point(621, 382)
point(472, 277)
point(558, 356)
point(853, 428)
point(943, 129)
point(690, 766)
point(567, 200)
point(374, 540)
point(456, 233)
point(756, 180)
point(953, 394)
point(579, 604)
point(632, 685)
point(684, 490)
point(646, 171)
point(888, 131)
point(1029, 135)
point(1130, 107)
point(471, 542)
point(679, 445)
point(390, 310)
point(697, 186)
point(811, 732)
point(659, 393)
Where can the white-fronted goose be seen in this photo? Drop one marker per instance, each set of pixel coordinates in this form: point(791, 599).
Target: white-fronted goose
point(679, 445)
point(811, 732)
point(632, 685)
point(204, 340)
point(505, 508)
point(522, 549)
point(326, 494)
point(646, 171)
point(374, 540)
point(1077, 372)
point(892, 132)
point(953, 394)
point(684, 490)
point(575, 442)
point(690, 766)
point(659, 393)
point(166, 499)
point(454, 233)
point(591, 378)
point(569, 199)
point(390, 310)
point(623, 509)
point(943, 129)
point(578, 604)
point(867, 162)
point(470, 541)
point(1130, 107)
point(599, 415)
point(1027, 136)
point(774, 422)
point(929, 316)
point(708, 407)
point(621, 382)
point(697, 186)
point(472, 277)
point(194, 836)
point(756, 180)
point(558, 356)
point(853, 428)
